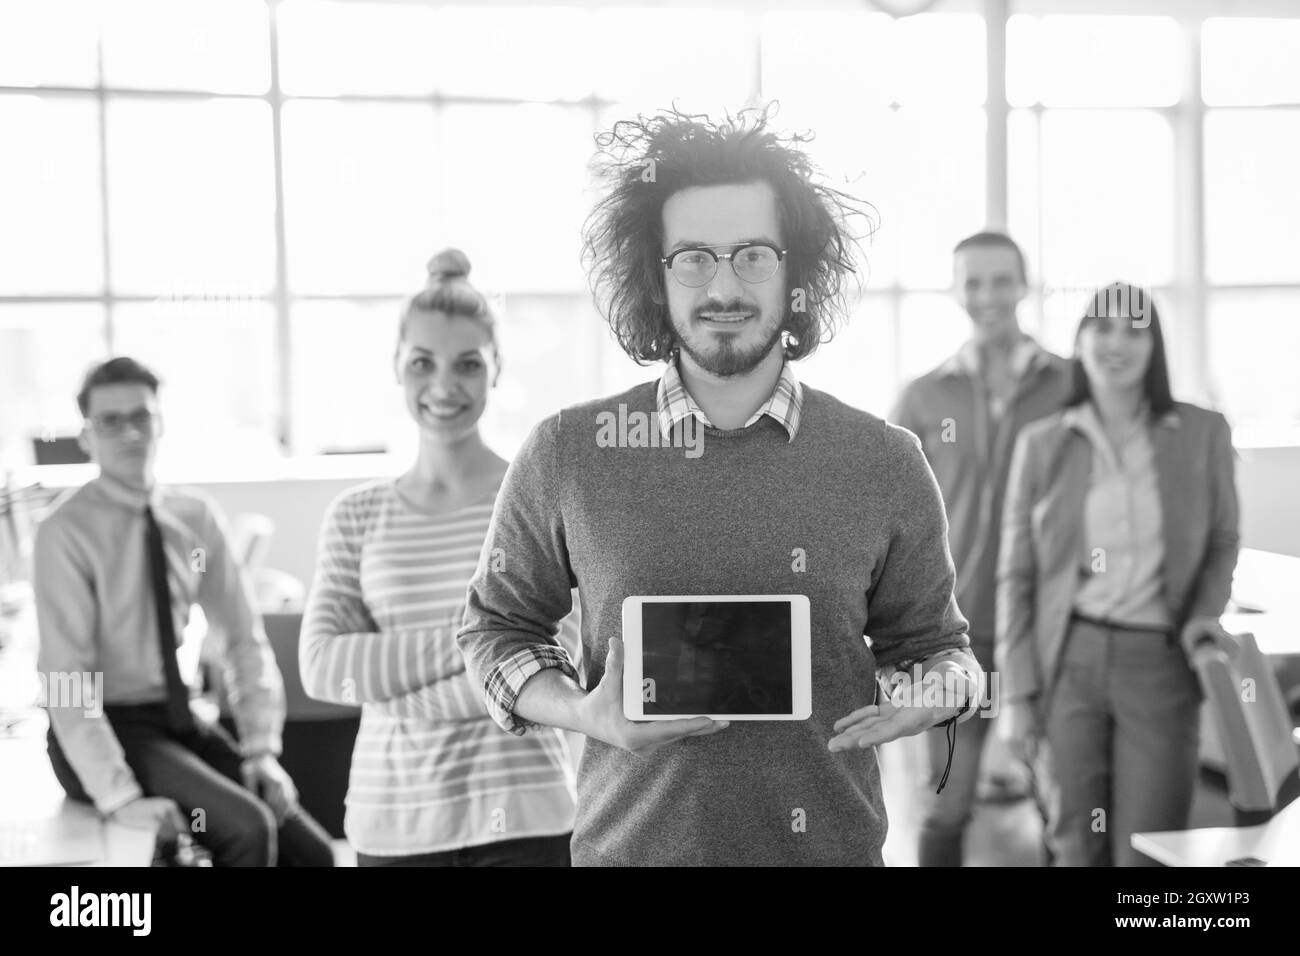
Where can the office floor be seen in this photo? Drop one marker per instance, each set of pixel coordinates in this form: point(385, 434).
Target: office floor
point(1001, 833)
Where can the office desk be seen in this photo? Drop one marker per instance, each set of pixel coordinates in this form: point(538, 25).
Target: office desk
point(1277, 842)
point(39, 826)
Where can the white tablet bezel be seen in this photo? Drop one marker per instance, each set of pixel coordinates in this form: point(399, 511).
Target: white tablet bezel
point(800, 653)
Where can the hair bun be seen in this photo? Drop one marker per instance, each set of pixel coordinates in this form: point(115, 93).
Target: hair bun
point(448, 264)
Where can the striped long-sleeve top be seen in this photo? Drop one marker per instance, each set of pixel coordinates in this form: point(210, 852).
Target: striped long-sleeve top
point(431, 770)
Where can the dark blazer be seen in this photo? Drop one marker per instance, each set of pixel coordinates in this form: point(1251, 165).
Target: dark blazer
point(1042, 535)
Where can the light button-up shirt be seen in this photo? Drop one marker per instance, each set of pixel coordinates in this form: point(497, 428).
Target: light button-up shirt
point(95, 614)
point(1123, 561)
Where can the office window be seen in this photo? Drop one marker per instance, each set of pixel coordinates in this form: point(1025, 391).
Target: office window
point(190, 197)
point(910, 140)
point(361, 195)
point(327, 49)
point(152, 125)
point(45, 350)
point(1254, 338)
point(51, 238)
point(857, 366)
point(217, 361)
point(345, 391)
point(530, 53)
point(217, 46)
point(938, 195)
point(515, 192)
point(1096, 188)
point(1093, 61)
point(1252, 203)
point(1251, 213)
point(808, 54)
point(548, 349)
point(1250, 62)
point(48, 42)
point(940, 60)
point(628, 65)
point(932, 326)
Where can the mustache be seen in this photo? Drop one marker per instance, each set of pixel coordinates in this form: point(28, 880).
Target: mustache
point(735, 305)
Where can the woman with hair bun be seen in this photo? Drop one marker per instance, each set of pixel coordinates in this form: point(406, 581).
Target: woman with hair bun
point(434, 781)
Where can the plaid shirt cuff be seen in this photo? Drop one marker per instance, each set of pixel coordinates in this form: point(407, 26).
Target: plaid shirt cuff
point(507, 679)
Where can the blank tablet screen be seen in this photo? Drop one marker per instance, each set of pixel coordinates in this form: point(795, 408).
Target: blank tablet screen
point(727, 657)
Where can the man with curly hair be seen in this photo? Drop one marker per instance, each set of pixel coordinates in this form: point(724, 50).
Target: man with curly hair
point(718, 251)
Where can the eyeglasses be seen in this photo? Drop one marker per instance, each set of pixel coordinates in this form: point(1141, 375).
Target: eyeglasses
point(112, 424)
point(696, 266)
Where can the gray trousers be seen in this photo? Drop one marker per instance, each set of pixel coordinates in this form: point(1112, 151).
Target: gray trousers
point(944, 816)
point(1121, 742)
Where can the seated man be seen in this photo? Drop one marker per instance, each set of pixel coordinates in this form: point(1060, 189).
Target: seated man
point(117, 566)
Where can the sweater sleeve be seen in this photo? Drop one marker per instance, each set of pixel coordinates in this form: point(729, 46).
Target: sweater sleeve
point(911, 612)
point(344, 657)
point(522, 587)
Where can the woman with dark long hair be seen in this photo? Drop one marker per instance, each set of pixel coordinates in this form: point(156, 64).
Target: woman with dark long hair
point(1119, 541)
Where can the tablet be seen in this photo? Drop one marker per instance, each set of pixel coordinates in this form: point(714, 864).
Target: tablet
point(730, 657)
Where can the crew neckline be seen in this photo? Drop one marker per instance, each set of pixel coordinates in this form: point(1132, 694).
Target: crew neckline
point(407, 505)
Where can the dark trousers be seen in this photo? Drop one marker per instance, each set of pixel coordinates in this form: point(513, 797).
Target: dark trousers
point(526, 851)
point(1122, 735)
point(200, 771)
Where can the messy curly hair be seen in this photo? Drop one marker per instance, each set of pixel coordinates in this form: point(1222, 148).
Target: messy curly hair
point(644, 161)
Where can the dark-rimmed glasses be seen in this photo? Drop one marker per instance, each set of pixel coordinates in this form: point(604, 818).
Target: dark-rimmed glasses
point(695, 266)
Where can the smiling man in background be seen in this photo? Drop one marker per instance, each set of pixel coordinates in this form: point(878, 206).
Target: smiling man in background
point(967, 413)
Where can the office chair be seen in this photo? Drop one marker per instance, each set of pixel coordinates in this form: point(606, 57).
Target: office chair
point(274, 591)
point(1263, 761)
point(250, 538)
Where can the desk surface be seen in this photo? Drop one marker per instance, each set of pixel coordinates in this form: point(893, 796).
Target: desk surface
point(1276, 842)
point(39, 826)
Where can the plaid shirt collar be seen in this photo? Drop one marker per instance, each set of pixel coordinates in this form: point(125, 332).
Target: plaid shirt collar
point(675, 404)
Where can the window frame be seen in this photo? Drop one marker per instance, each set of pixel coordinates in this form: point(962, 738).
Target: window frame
point(1187, 117)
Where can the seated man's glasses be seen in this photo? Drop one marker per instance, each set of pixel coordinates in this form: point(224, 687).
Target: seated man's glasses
point(114, 424)
point(695, 266)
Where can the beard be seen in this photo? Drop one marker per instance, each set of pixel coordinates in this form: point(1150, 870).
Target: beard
point(722, 357)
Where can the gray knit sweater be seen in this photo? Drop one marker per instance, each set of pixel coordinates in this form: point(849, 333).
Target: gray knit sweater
point(852, 493)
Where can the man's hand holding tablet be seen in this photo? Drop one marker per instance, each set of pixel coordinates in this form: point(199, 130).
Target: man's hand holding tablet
point(553, 699)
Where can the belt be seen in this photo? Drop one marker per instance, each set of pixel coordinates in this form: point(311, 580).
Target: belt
point(1120, 626)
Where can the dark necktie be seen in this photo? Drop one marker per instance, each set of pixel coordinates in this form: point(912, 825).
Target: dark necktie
point(179, 717)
